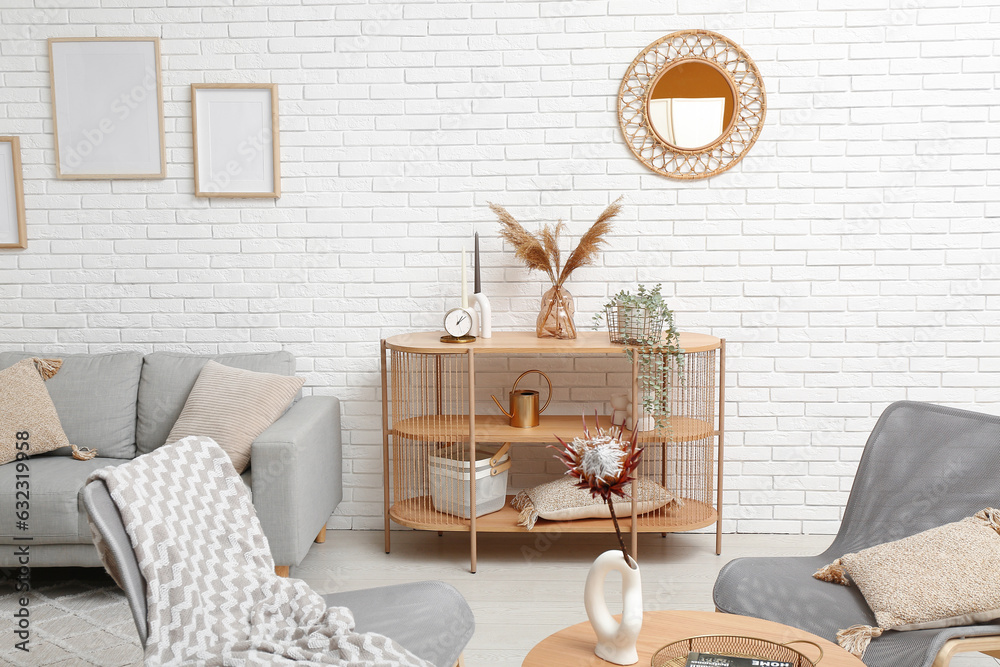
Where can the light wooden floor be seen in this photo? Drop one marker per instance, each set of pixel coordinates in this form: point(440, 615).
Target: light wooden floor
point(529, 586)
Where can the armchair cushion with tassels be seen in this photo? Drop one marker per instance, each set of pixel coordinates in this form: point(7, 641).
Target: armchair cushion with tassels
point(923, 466)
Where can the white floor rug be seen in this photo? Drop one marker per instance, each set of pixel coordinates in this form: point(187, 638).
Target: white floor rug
point(78, 617)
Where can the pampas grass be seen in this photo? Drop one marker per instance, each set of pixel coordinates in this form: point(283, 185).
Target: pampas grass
point(540, 252)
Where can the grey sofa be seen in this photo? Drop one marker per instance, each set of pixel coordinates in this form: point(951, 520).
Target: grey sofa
point(123, 404)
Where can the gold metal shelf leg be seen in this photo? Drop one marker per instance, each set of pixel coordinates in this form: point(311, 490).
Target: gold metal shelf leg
point(722, 439)
point(385, 444)
point(472, 459)
point(636, 402)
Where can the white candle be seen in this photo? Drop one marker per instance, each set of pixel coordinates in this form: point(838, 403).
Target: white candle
point(465, 283)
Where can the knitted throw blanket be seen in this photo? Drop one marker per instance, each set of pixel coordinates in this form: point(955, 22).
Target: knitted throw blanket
point(212, 596)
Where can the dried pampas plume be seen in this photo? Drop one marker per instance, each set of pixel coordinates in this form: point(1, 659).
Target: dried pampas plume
point(540, 252)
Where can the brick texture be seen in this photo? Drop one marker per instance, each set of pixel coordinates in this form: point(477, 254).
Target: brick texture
point(850, 260)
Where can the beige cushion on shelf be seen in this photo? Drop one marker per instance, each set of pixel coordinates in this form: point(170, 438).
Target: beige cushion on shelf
point(563, 500)
point(940, 578)
point(26, 407)
point(233, 406)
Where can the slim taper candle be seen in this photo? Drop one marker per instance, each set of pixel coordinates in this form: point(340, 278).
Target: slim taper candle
point(478, 286)
point(465, 283)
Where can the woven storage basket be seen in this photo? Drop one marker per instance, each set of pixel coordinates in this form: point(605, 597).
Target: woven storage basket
point(675, 654)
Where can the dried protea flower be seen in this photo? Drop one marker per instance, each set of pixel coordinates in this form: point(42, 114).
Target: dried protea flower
point(604, 463)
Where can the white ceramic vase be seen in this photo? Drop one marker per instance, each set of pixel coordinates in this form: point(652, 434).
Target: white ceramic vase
point(615, 641)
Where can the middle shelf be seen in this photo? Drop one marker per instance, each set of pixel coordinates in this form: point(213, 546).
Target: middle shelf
point(497, 428)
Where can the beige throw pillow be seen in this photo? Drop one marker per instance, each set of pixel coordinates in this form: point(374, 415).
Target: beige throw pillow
point(27, 414)
point(233, 406)
point(563, 500)
point(940, 578)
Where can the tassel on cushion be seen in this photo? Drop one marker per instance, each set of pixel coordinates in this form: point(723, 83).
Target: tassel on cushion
point(856, 638)
point(834, 573)
point(991, 517)
point(47, 367)
point(84, 454)
point(528, 515)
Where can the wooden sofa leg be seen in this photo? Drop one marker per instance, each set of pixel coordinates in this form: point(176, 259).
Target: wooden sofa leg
point(461, 661)
point(282, 570)
point(321, 538)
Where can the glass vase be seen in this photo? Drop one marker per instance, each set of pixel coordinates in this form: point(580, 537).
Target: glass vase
point(555, 319)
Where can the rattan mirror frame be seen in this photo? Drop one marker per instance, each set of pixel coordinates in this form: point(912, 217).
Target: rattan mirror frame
point(749, 109)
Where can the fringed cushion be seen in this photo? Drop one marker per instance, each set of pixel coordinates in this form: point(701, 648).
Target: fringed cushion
point(940, 578)
point(27, 414)
point(562, 500)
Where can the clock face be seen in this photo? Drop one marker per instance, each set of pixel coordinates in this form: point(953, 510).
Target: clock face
point(458, 322)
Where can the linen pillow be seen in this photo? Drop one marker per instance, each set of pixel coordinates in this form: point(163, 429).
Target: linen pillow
point(26, 409)
point(563, 500)
point(942, 577)
point(233, 406)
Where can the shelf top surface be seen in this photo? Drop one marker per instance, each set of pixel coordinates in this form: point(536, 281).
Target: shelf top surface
point(512, 342)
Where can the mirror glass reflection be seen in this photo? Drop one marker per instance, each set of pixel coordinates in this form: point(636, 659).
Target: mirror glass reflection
point(691, 104)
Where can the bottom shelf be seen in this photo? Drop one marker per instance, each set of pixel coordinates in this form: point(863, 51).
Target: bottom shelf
point(419, 513)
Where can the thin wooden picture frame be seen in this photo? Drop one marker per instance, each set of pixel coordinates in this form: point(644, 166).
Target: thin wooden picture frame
point(13, 227)
point(248, 142)
point(107, 116)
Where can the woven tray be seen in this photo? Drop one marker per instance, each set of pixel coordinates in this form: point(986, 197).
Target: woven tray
point(675, 654)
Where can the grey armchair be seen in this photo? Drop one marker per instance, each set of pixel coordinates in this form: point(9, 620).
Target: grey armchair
point(923, 466)
point(430, 618)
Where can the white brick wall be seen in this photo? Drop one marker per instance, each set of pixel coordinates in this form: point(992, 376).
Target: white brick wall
point(850, 260)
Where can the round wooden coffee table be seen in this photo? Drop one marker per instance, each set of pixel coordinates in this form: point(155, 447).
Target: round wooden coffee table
point(574, 646)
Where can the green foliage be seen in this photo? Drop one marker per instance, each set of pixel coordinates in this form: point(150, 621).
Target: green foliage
point(646, 324)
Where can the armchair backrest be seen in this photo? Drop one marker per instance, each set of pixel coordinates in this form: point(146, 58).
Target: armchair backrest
point(125, 569)
point(923, 466)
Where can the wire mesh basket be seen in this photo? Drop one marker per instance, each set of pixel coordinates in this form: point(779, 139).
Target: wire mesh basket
point(629, 325)
point(676, 653)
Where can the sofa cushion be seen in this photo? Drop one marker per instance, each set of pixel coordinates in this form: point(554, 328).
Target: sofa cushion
point(168, 377)
point(95, 398)
point(233, 406)
point(29, 423)
point(56, 514)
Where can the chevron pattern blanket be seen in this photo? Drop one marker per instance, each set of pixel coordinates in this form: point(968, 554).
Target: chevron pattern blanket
point(211, 593)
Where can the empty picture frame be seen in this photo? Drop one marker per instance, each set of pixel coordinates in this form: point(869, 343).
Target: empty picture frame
point(235, 127)
point(107, 107)
point(13, 229)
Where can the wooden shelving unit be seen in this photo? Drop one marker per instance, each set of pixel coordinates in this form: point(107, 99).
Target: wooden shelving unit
point(429, 401)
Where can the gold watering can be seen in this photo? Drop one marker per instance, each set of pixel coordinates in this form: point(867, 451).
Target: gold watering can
point(524, 403)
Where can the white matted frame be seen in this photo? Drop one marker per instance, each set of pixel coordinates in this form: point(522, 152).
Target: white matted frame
point(107, 107)
point(13, 229)
point(236, 147)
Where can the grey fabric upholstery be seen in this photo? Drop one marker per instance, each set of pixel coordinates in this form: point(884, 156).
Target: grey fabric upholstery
point(923, 466)
point(57, 517)
point(297, 476)
point(55, 555)
point(104, 513)
point(95, 397)
point(429, 618)
point(168, 377)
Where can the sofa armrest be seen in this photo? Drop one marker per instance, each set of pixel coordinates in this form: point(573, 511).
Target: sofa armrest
point(296, 476)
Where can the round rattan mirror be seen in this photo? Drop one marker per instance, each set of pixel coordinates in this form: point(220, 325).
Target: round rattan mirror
point(691, 104)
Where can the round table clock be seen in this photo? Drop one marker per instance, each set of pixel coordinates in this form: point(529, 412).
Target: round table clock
point(458, 324)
